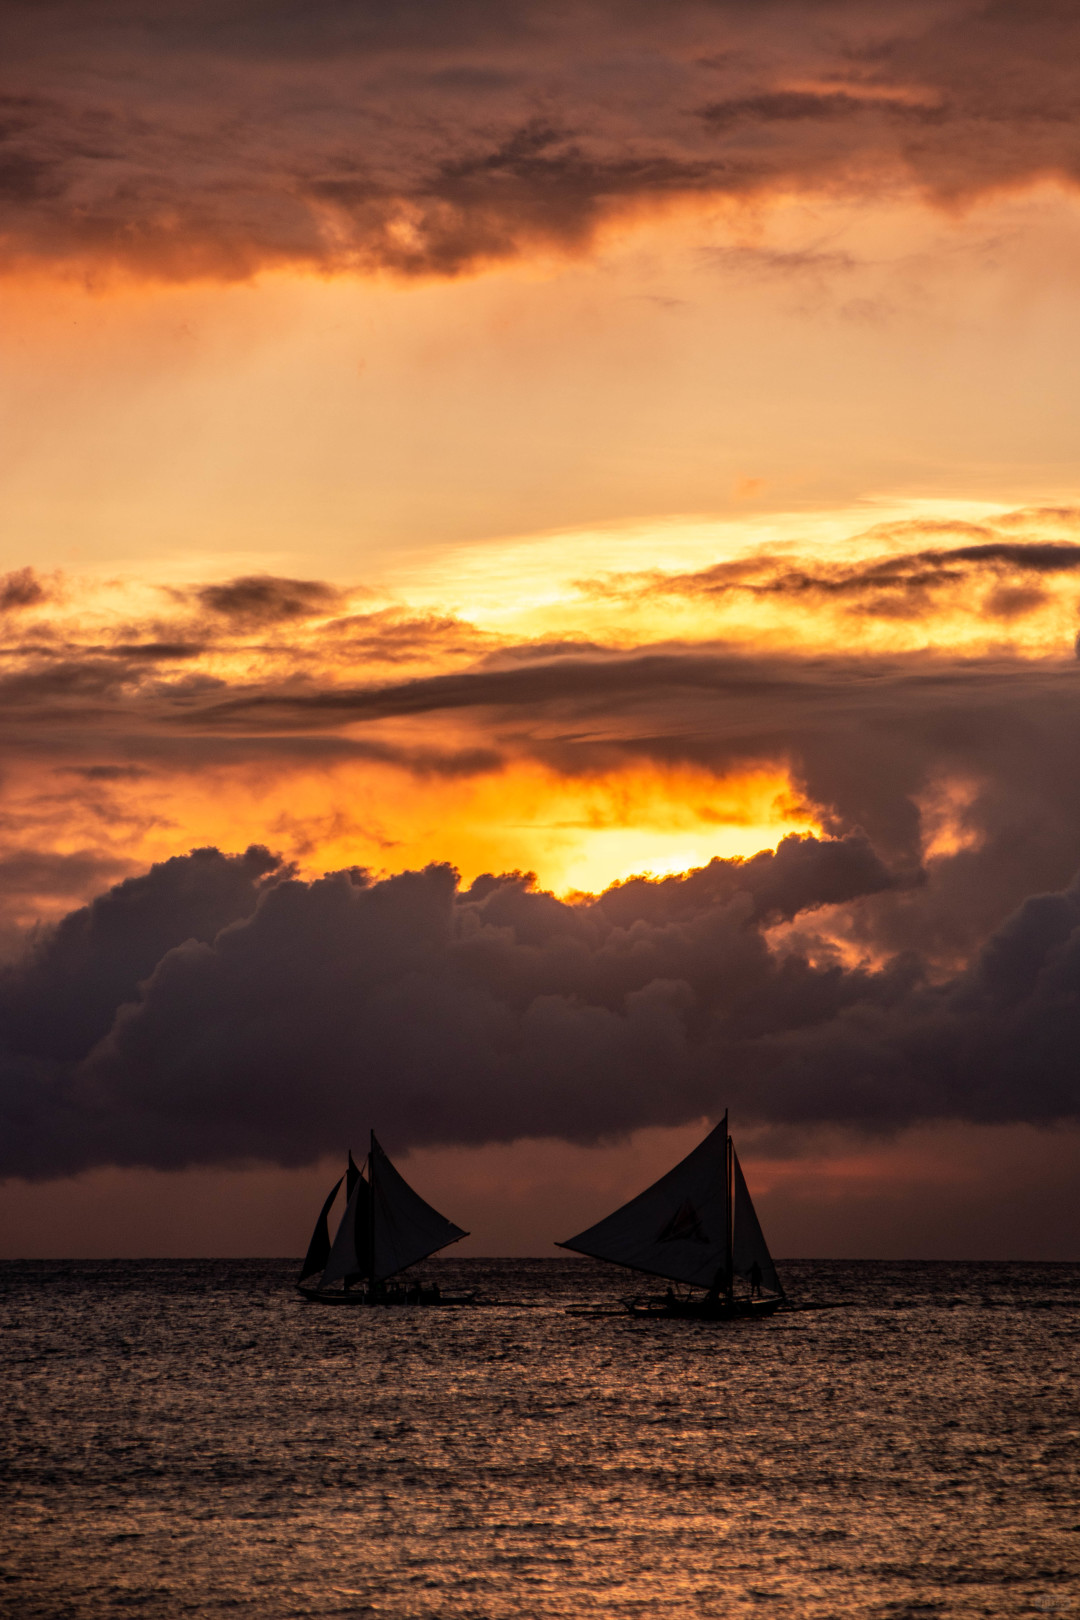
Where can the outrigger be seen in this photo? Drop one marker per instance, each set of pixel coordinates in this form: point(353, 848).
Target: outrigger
point(386, 1227)
point(696, 1227)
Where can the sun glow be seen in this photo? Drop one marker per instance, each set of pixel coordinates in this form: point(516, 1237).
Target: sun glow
point(575, 833)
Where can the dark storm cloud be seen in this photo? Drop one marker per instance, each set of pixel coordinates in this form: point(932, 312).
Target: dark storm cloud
point(206, 137)
point(218, 1009)
point(63, 996)
point(873, 742)
point(241, 1014)
point(866, 739)
point(863, 736)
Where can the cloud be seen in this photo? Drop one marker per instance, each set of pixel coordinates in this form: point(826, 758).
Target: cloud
point(22, 589)
point(298, 623)
point(102, 660)
point(106, 773)
point(396, 636)
point(258, 599)
point(94, 960)
point(899, 581)
point(37, 873)
point(156, 652)
point(128, 735)
point(218, 1010)
point(863, 732)
point(211, 140)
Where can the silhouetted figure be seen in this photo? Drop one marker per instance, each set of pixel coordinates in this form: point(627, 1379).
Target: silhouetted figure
point(755, 1281)
point(718, 1285)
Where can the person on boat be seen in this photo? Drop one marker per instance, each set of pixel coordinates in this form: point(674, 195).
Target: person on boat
point(755, 1281)
point(669, 1298)
point(718, 1286)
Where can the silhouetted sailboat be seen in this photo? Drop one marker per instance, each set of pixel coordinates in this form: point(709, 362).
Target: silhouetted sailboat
point(697, 1227)
point(386, 1227)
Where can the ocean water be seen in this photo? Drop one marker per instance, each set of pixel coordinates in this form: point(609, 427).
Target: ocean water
point(191, 1438)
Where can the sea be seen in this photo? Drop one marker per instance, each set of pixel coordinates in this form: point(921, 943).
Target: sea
point(190, 1437)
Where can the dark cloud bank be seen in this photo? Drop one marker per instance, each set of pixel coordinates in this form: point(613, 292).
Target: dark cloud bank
point(216, 137)
point(217, 1009)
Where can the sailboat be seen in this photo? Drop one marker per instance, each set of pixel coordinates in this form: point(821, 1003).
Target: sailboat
point(385, 1227)
point(696, 1227)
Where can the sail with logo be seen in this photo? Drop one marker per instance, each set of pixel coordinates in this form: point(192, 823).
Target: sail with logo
point(385, 1228)
point(696, 1227)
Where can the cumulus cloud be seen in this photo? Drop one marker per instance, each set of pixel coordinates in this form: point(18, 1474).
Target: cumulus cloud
point(208, 138)
point(965, 762)
point(95, 959)
point(219, 1010)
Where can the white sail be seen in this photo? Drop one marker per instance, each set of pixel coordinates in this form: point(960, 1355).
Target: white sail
point(404, 1228)
point(349, 1252)
point(678, 1227)
point(749, 1247)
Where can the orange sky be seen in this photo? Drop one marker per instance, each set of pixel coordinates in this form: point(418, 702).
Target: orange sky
point(631, 474)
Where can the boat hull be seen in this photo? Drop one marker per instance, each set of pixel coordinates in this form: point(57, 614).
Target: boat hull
point(705, 1310)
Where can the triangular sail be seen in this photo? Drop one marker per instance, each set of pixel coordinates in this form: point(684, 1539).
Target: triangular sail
point(319, 1248)
point(406, 1229)
point(750, 1250)
point(678, 1227)
point(350, 1255)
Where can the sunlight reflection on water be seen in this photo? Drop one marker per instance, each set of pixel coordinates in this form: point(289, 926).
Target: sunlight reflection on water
point(189, 1437)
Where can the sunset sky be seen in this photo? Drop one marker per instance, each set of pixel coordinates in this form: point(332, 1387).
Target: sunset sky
point(570, 443)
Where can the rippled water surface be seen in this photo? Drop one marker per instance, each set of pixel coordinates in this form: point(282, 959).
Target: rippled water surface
point(192, 1438)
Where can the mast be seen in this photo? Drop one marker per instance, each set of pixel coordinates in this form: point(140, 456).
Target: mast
point(729, 1206)
point(344, 1260)
point(369, 1246)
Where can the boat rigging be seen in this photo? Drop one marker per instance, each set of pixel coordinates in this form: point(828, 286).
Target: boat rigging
point(696, 1227)
point(386, 1227)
